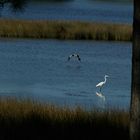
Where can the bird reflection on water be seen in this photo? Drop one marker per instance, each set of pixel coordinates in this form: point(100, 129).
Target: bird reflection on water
point(100, 95)
point(101, 100)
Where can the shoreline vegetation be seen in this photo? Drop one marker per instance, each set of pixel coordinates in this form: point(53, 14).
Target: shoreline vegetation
point(26, 119)
point(72, 30)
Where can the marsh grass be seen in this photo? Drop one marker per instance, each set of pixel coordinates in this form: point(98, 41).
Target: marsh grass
point(65, 30)
point(26, 119)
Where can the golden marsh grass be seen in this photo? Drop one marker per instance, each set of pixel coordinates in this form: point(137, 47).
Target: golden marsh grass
point(23, 119)
point(65, 30)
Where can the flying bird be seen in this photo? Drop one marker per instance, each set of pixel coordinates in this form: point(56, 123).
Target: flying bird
point(100, 85)
point(74, 55)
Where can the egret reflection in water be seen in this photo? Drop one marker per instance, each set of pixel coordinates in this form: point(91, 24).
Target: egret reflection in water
point(100, 95)
point(101, 100)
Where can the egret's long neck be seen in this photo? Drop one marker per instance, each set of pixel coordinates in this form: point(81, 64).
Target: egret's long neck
point(105, 80)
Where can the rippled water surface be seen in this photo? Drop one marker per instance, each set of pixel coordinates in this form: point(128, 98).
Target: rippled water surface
point(38, 69)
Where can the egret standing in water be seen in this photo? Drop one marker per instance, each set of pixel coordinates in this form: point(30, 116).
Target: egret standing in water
point(74, 55)
point(102, 83)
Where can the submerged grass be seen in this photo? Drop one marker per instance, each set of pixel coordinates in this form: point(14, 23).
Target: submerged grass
point(25, 119)
point(65, 30)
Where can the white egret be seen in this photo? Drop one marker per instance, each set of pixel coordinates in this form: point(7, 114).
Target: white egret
point(74, 55)
point(102, 83)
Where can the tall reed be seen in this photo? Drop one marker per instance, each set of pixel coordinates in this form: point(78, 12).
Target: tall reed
point(65, 30)
point(26, 119)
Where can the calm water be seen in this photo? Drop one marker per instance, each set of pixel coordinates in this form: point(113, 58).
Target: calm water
point(39, 69)
point(84, 10)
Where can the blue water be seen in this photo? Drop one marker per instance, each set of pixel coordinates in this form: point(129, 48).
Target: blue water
point(83, 10)
point(38, 69)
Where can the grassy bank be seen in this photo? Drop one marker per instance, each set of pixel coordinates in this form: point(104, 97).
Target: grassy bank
point(65, 30)
point(23, 119)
